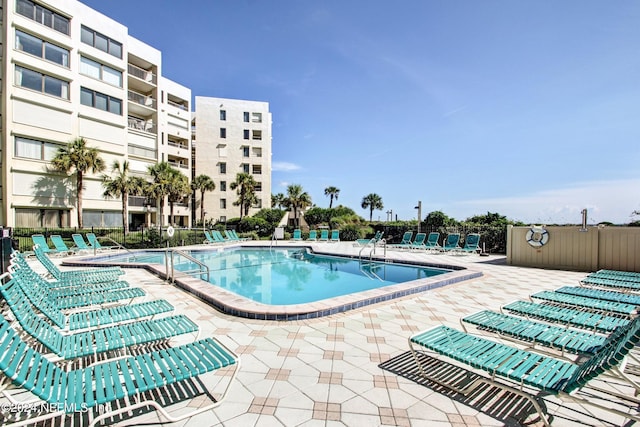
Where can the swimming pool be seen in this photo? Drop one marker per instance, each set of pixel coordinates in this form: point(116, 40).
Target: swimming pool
point(293, 282)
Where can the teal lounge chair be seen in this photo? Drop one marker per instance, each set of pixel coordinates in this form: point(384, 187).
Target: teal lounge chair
point(41, 240)
point(591, 320)
point(335, 236)
point(62, 287)
point(432, 241)
point(80, 245)
point(217, 236)
point(537, 333)
point(89, 318)
point(92, 342)
point(60, 245)
point(511, 369)
point(587, 303)
point(624, 285)
point(404, 243)
point(471, 245)
point(95, 243)
point(628, 298)
point(95, 275)
point(324, 236)
point(418, 242)
point(126, 380)
point(209, 240)
point(313, 235)
point(236, 237)
point(297, 235)
point(74, 297)
point(451, 244)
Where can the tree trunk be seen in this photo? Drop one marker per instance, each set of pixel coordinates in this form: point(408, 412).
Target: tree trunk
point(202, 208)
point(171, 219)
point(125, 213)
point(79, 197)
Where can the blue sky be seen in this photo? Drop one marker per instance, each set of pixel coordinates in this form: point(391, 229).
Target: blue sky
point(526, 108)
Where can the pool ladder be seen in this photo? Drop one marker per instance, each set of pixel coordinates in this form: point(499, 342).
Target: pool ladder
point(370, 262)
point(203, 268)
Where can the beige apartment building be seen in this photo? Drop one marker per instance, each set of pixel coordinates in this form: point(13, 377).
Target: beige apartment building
point(232, 136)
point(68, 72)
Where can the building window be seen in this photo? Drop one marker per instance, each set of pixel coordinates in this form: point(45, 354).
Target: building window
point(246, 133)
point(98, 100)
point(245, 167)
point(256, 169)
point(223, 115)
point(223, 185)
point(223, 132)
point(42, 83)
point(257, 152)
point(100, 41)
point(32, 218)
point(42, 49)
point(98, 71)
point(256, 117)
point(223, 203)
point(258, 186)
point(256, 134)
point(43, 16)
point(33, 149)
point(245, 116)
point(223, 218)
point(245, 151)
point(223, 167)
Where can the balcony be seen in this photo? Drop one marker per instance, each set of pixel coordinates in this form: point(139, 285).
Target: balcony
point(179, 106)
point(179, 165)
point(142, 125)
point(184, 145)
point(141, 79)
point(141, 104)
point(143, 75)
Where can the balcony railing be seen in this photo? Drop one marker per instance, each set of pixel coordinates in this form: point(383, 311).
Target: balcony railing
point(141, 99)
point(178, 145)
point(142, 74)
point(178, 165)
point(177, 105)
point(142, 152)
point(143, 125)
point(140, 201)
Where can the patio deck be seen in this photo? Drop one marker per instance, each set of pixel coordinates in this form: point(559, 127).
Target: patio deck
point(354, 368)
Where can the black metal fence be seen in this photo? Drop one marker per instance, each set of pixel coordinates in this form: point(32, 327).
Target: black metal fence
point(144, 238)
point(492, 239)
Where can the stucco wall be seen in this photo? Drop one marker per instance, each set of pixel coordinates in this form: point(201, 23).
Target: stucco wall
point(570, 248)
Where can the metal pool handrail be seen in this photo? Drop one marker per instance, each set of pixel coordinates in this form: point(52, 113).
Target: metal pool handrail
point(192, 259)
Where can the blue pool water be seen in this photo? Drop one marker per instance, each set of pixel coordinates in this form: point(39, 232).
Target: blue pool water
point(289, 276)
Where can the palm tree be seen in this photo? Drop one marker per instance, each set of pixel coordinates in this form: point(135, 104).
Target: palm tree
point(179, 188)
point(277, 200)
point(297, 199)
point(332, 192)
point(372, 201)
point(246, 191)
point(203, 183)
point(160, 186)
point(76, 156)
point(122, 185)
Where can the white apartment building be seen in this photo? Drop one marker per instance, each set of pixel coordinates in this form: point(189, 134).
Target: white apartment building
point(68, 72)
point(232, 136)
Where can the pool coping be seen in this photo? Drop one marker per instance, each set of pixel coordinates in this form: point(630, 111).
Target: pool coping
point(239, 306)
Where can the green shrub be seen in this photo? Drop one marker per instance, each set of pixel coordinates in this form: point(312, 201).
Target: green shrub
point(351, 232)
